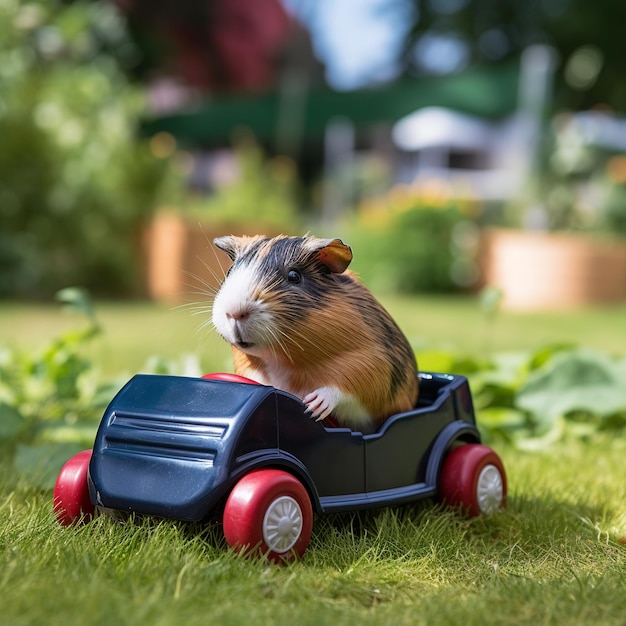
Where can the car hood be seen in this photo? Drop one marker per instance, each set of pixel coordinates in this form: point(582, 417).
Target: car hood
point(164, 444)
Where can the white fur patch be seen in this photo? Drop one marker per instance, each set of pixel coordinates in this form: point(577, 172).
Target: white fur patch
point(243, 318)
point(236, 299)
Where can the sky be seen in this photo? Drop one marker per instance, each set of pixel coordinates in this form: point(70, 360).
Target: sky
point(358, 40)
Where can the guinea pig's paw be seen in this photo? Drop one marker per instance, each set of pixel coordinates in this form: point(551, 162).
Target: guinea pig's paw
point(321, 402)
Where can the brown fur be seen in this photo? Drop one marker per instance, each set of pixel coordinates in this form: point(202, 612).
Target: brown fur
point(351, 343)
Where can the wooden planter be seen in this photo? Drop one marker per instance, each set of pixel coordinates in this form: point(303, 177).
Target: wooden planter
point(539, 271)
point(182, 264)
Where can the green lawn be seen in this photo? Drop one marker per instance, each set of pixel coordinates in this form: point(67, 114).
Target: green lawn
point(555, 556)
point(135, 331)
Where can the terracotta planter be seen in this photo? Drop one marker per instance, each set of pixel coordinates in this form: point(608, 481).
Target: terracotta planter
point(182, 264)
point(538, 271)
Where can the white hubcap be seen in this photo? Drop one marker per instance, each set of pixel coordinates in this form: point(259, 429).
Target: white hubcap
point(282, 524)
point(489, 489)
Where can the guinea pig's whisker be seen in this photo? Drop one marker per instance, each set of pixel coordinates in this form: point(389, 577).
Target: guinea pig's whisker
point(204, 309)
point(209, 268)
point(208, 323)
point(201, 286)
point(297, 339)
point(219, 262)
point(280, 342)
point(199, 308)
point(300, 340)
point(188, 306)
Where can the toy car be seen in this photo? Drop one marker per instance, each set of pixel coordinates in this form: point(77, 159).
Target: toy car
point(181, 448)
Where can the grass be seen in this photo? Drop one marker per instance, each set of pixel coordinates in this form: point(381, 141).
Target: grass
point(135, 331)
point(552, 557)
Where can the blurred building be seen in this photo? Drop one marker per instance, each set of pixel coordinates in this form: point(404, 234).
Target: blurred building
point(475, 158)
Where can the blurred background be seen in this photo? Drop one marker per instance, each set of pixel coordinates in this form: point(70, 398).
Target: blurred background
point(132, 131)
point(472, 153)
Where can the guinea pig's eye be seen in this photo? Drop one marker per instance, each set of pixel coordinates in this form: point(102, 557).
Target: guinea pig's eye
point(294, 276)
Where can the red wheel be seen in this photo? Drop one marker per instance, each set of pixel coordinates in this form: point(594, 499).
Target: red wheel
point(230, 378)
point(473, 478)
point(269, 512)
point(71, 493)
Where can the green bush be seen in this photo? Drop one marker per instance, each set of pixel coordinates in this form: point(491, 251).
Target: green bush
point(421, 247)
point(50, 400)
point(535, 399)
point(75, 184)
point(262, 193)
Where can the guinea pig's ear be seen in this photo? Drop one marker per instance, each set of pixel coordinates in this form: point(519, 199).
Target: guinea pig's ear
point(333, 253)
point(231, 245)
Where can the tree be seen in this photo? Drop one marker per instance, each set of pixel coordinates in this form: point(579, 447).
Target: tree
point(75, 184)
point(449, 35)
point(211, 45)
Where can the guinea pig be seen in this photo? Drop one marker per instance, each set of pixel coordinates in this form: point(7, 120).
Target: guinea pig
point(299, 321)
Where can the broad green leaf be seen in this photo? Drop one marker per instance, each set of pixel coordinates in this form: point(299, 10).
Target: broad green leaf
point(544, 354)
point(435, 361)
point(533, 444)
point(41, 464)
point(503, 421)
point(82, 432)
point(579, 380)
point(492, 394)
point(449, 361)
point(12, 423)
point(502, 417)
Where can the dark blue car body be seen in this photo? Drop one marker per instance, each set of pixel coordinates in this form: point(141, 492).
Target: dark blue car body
point(174, 446)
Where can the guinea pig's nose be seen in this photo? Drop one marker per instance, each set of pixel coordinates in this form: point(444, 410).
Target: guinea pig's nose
point(239, 316)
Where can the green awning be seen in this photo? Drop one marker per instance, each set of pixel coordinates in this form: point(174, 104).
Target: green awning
point(486, 92)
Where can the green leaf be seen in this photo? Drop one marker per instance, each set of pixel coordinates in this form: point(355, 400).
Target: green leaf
point(41, 464)
point(503, 421)
point(578, 380)
point(535, 444)
point(82, 433)
point(78, 299)
point(12, 423)
point(544, 354)
point(435, 361)
point(448, 361)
